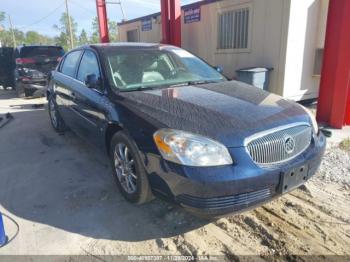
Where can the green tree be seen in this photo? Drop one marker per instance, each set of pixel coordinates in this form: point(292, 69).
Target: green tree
point(83, 38)
point(2, 17)
point(2, 28)
point(112, 30)
point(95, 38)
point(61, 40)
point(64, 38)
point(6, 38)
point(33, 37)
point(30, 37)
point(6, 35)
point(19, 35)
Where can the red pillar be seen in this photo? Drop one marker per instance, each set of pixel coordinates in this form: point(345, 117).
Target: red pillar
point(102, 20)
point(175, 22)
point(164, 5)
point(347, 114)
point(171, 22)
point(334, 98)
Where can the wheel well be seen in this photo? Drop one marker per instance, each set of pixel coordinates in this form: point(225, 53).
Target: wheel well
point(111, 130)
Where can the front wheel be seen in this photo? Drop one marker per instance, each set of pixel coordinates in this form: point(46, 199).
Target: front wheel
point(128, 170)
point(55, 118)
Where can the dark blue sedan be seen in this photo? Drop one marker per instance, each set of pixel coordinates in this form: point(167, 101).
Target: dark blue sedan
point(176, 128)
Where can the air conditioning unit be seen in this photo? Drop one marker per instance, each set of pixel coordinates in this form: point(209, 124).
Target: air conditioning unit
point(318, 62)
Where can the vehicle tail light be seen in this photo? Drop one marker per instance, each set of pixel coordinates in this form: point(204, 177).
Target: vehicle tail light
point(24, 61)
point(25, 79)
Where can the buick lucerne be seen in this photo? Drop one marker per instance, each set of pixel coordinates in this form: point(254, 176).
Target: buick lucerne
point(175, 127)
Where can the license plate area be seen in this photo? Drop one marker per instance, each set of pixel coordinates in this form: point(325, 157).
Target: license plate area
point(293, 178)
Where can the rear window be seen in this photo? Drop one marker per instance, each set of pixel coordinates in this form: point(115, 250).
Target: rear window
point(70, 63)
point(48, 51)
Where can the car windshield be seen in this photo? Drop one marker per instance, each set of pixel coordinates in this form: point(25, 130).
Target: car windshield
point(137, 69)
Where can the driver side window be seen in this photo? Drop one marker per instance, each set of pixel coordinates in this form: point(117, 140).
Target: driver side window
point(88, 65)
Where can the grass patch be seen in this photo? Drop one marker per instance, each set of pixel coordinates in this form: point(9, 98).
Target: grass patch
point(345, 144)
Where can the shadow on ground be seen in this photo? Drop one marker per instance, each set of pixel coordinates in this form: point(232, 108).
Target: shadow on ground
point(7, 94)
point(60, 181)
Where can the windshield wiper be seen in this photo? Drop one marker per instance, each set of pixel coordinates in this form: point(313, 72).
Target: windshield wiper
point(194, 83)
point(153, 87)
point(142, 88)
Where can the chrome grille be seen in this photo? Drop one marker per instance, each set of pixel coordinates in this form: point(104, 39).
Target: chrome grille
point(271, 147)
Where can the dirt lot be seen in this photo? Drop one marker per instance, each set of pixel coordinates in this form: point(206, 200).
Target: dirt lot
point(59, 197)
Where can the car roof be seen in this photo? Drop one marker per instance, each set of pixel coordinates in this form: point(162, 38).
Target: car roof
point(24, 46)
point(125, 45)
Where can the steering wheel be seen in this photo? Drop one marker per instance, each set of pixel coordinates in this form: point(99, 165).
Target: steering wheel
point(178, 70)
point(118, 79)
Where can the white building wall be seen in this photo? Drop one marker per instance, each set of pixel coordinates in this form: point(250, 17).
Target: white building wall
point(265, 38)
point(152, 36)
point(306, 33)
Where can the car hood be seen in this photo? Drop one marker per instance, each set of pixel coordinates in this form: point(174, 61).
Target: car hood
point(228, 112)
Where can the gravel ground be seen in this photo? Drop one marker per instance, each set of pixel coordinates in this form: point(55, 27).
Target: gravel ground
point(60, 193)
point(335, 167)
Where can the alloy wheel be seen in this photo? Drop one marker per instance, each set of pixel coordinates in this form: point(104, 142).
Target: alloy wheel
point(53, 112)
point(125, 168)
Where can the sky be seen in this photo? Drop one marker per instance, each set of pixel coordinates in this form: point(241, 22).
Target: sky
point(41, 15)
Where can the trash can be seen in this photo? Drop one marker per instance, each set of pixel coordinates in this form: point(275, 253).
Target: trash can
point(256, 76)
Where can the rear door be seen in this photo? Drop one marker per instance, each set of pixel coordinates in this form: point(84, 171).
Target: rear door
point(63, 80)
point(88, 105)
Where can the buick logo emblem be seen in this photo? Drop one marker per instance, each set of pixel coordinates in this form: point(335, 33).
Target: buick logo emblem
point(289, 144)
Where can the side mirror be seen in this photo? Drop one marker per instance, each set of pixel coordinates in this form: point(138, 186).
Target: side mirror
point(91, 81)
point(326, 132)
point(220, 69)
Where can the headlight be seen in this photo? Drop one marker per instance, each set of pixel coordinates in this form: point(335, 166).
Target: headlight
point(190, 149)
point(313, 119)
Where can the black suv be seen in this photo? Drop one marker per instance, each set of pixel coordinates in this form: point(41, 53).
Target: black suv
point(33, 65)
point(7, 64)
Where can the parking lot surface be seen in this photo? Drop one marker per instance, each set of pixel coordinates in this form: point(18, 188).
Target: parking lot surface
point(58, 197)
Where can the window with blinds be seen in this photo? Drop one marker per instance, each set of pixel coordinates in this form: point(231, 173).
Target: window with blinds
point(233, 27)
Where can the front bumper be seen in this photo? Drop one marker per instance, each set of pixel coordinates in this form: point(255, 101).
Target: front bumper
point(219, 191)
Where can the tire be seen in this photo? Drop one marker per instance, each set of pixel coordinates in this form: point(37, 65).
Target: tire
point(130, 171)
point(20, 90)
point(28, 93)
point(55, 117)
